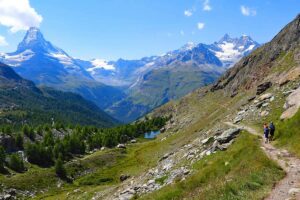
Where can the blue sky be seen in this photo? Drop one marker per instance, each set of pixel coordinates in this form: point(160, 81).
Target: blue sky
point(131, 29)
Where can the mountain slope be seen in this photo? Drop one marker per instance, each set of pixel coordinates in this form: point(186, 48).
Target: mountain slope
point(38, 60)
point(170, 77)
point(265, 63)
point(21, 101)
point(126, 89)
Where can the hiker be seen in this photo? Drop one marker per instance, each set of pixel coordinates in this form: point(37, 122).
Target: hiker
point(272, 130)
point(266, 133)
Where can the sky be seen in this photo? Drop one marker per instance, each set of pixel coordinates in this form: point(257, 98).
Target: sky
point(131, 29)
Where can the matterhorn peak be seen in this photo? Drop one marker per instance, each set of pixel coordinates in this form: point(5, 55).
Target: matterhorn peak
point(35, 41)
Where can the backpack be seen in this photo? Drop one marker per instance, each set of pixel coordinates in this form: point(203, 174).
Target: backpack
point(272, 127)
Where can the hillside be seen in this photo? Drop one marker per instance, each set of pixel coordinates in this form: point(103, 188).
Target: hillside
point(210, 142)
point(21, 101)
point(126, 89)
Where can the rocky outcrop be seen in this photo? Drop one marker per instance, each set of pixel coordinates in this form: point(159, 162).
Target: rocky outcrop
point(257, 67)
point(263, 87)
point(291, 105)
point(228, 135)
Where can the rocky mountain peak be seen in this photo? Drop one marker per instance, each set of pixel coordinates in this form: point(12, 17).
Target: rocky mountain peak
point(35, 41)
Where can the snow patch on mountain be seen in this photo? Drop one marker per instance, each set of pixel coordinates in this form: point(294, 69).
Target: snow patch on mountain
point(15, 60)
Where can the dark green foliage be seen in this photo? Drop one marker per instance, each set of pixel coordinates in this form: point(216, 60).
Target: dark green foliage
point(29, 132)
point(51, 148)
point(2, 158)
point(16, 163)
point(39, 154)
point(59, 167)
point(19, 141)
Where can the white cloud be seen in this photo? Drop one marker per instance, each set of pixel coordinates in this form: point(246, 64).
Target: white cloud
point(200, 25)
point(188, 13)
point(3, 41)
point(206, 5)
point(248, 11)
point(18, 15)
point(182, 33)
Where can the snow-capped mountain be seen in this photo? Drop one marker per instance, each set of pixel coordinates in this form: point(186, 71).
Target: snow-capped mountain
point(231, 50)
point(146, 83)
point(38, 60)
point(224, 53)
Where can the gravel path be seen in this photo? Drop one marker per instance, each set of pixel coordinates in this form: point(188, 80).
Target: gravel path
point(289, 187)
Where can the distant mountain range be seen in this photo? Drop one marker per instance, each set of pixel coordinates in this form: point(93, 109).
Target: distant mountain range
point(22, 102)
point(127, 89)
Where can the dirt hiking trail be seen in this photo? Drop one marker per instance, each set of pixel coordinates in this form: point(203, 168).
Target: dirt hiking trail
point(289, 187)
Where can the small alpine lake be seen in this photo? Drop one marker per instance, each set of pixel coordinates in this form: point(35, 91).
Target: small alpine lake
point(151, 134)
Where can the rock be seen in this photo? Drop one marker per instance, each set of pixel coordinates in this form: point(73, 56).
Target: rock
point(265, 105)
point(264, 113)
point(251, 98)
point(286, 93)
point(133, 141)
point(207, 140)
point(186, 171)
point(124, 177)
point(289, 76)
point(8, 142)
point(263, 87)
point(163, 129)
point(228, 135)
point(208, 153)
point(272, 98)
point(294, 191)
point(121, 146)
point(241, 112)
point(7, 197)
point(167, 166)
point(291, 105)
point(151, 182)
point(265, 96)
point(237, 119)
point(102, 148)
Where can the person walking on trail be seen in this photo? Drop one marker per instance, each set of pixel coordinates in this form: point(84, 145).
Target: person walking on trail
point(272, 131)
point(266, 133)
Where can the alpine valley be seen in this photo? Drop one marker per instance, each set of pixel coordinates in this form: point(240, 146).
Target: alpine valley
point(213, 121)
point(126, 89)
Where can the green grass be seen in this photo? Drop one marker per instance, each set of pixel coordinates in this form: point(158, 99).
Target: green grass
point(161, 180)
point(288, 134)
point(247, 174)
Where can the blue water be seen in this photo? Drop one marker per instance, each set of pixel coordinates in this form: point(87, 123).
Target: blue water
point(151, 135)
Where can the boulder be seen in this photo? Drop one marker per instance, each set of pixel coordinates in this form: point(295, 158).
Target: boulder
point(228, 135)
point(263, 87)
point(237, 119)
point(207, 140)
point(8, 142)
point(291, 105)
point(265, 96)
point(251, 98)
point(133, 141)
point(121, 146)
point(264, 113)
point(124, 177)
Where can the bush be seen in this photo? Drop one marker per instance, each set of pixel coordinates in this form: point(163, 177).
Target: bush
point(2, 158)
point(16, 163)
point(59, 168)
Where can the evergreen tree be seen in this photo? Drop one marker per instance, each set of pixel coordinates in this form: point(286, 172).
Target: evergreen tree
point(19, 141)
point(2, 158)
point(59, 168)
point(16, 163)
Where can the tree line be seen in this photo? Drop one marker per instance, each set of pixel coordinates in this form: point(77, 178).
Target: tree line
point(44, 148)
